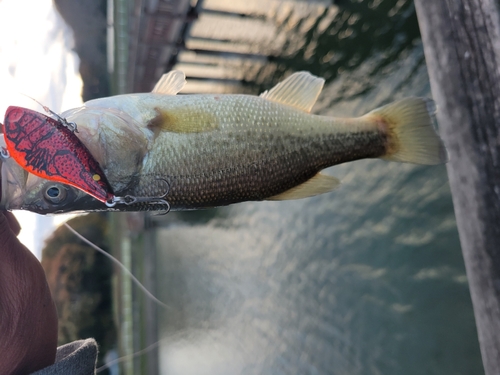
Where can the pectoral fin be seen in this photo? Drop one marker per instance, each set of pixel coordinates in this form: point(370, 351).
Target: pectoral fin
point(183, 121)
point(170, 83)
point(319, 184)
point(300, 90)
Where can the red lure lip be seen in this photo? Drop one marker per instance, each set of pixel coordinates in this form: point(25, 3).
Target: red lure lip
point(46, 148)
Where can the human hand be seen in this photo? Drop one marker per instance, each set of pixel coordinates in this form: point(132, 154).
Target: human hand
point(28, 317)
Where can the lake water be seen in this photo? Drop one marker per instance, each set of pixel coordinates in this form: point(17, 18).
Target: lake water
point(366, 280)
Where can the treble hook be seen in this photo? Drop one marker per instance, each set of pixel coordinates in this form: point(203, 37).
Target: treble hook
point(70, 125)
point(130, 199)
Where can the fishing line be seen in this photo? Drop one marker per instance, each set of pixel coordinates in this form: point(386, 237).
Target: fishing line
point(118, 263)
point(130, 356)
point(146, 350)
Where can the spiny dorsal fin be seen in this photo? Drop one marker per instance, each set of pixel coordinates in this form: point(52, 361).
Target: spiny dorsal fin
point(170, 83)
point(300, 90)
point(319, 184)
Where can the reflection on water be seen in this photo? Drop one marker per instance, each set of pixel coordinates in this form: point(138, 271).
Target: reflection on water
point(366, 280)
point(286, 36)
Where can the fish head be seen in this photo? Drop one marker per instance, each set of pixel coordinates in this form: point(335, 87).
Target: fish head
point(114, 140)
point(21, 190)
point(117, 139)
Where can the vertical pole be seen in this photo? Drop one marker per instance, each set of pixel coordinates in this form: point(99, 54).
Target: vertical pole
point(462, 48)
point(150, 306)
point(123, 293)
point(121, 33)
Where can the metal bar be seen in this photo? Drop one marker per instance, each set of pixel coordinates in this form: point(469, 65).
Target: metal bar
point(230, 55)
point(121, 43)
point(194, 14)
point(134, 42)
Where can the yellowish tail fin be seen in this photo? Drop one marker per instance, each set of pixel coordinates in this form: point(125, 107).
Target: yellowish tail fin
point(412, 138)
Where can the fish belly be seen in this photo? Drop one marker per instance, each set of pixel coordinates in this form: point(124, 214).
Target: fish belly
point(247, 148)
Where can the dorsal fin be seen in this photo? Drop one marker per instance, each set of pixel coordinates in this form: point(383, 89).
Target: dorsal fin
point(170, 83)
point(319, 184)
point(300, 90)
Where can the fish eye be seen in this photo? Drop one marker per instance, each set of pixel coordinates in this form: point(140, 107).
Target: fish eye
point(55, 194)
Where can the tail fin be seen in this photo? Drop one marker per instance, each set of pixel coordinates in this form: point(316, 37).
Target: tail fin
point(412, 138)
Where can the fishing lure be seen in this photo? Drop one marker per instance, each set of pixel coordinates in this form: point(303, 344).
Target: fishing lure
point(48, 148)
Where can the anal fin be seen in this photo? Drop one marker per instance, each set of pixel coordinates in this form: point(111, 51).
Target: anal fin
point(319, 184)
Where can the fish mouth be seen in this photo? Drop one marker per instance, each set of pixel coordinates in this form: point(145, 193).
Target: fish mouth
point(20, 190)
point(12, 181)
point(80, 203)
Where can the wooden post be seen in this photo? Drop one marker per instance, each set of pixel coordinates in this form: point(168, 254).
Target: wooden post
point(462, 48)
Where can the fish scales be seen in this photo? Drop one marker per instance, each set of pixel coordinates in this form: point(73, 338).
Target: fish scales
point(272, 148)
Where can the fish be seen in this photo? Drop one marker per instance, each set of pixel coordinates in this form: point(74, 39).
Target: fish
point(210, 150)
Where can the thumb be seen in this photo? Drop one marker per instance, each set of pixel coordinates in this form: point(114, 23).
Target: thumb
point(28, 318)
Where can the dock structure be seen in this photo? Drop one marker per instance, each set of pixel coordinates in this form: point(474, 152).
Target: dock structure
point(145, 37)
point(157, 29)
point(151, 37)
point(222, 47)
point(145, 40)
point(462, 49)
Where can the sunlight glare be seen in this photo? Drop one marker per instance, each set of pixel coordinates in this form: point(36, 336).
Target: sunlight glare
point(36, 59)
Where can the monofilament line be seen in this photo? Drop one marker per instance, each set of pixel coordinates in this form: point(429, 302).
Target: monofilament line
point(117, 262)
point(124, 358)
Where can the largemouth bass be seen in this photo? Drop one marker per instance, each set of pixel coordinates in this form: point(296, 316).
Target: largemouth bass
point(200, 151)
